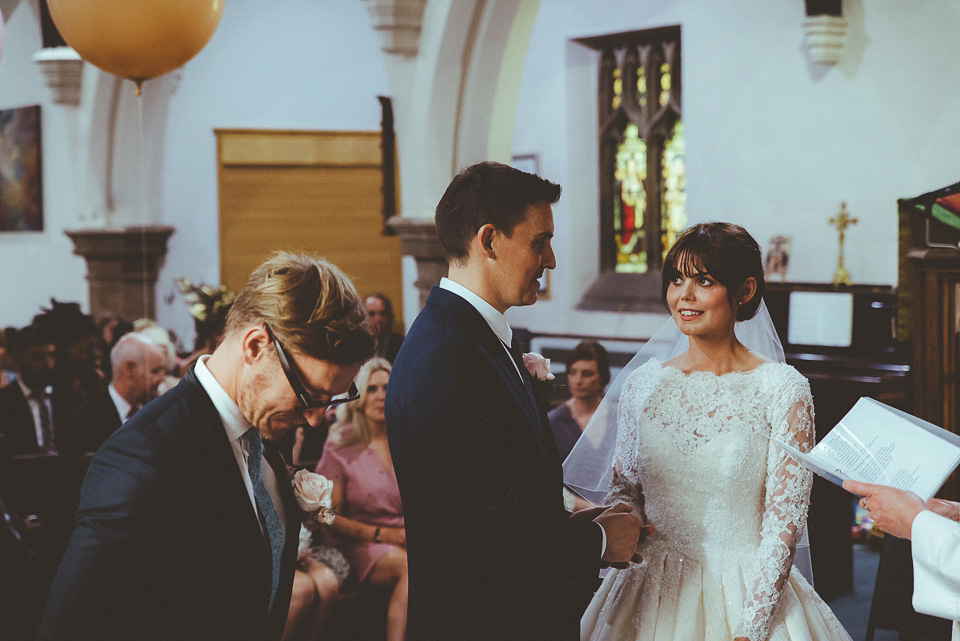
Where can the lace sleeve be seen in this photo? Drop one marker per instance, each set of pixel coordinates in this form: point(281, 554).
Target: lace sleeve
point(625, 486)
point(785, 508)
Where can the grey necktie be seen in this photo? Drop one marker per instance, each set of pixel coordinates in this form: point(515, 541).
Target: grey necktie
point(253, 446)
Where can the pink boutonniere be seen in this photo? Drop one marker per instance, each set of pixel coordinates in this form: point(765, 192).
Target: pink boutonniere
point(313, 492)
point(538, 366)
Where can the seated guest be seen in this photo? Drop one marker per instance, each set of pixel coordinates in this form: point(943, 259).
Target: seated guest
point(32, 411)
point(75, 335)
point(321, 570)
point(7, 373)
point(380, 319)
point(149, 329)
point(369, 526)
point(138, 366)
point(588, 372)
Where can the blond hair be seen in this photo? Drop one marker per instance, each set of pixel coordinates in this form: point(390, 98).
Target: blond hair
point(311, 306)
point(351, 427)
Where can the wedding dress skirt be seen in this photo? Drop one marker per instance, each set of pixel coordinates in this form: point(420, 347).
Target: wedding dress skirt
point(671, 597)
point(728, 507)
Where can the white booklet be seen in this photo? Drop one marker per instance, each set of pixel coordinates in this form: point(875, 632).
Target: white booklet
point(877, 443)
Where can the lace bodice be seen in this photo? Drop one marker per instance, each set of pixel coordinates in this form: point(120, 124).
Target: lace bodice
point(692, 459)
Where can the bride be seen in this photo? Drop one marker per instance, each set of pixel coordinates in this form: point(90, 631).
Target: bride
point(684, 443)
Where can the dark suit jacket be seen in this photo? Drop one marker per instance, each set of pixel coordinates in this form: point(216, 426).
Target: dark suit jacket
point(16, 419)
point(93, 422)
point(167, 544)
point(491, 551)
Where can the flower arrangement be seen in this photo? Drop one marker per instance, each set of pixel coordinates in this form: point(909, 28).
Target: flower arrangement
point(313, 492)
point(206, 303)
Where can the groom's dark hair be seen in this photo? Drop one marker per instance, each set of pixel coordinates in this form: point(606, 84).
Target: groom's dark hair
point(487, 193)
point(727, 252)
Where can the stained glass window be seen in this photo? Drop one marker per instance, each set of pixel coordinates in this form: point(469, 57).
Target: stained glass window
point(642, 161)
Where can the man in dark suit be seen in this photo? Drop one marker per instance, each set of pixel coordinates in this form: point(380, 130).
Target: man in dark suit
point(491, 552)
point(138, 366)
point(188, 524)
point(32, 412)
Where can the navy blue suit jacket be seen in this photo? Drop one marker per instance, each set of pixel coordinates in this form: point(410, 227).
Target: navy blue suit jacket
point(93, 422)
point(492, 553)
point(167, 544)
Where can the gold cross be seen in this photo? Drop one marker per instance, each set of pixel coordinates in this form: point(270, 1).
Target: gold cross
point(841, 221)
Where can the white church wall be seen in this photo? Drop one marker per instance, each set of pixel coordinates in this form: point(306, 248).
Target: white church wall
point(774, 142)
point(298, 64)
point(37, 265)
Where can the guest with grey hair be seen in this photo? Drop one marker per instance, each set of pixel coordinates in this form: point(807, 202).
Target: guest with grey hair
point(139, 366)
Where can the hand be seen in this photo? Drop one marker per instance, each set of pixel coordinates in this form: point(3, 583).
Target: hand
point(591, 513)
point(645, 531)
point(394, 536)
point(623, 533)
point(945, 508)
point(892, 510)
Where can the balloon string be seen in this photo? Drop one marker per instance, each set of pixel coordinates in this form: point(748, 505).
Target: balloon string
point(143, 199)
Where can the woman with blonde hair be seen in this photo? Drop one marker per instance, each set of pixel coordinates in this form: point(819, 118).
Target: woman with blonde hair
point(369, 527)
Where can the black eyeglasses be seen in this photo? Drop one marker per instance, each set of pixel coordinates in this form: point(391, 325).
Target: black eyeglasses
point(286, 363)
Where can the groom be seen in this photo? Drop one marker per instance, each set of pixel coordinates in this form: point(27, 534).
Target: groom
point(491, 552)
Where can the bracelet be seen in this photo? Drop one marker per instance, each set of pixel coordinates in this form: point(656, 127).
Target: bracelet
point(376, 535)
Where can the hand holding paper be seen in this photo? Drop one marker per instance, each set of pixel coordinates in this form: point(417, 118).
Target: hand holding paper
point(892, 510)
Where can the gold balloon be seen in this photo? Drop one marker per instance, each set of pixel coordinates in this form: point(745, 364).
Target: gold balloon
point(136, 39)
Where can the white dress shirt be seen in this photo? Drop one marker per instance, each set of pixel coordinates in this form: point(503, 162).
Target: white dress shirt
point(498, 323)
point(119, 402)
point(35, 409)
point(935, 545)
point(236, 426)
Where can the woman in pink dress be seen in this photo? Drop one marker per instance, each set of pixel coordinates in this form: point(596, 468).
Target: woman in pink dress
point(369, 523)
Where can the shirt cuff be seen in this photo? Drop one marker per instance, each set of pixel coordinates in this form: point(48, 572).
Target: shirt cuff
point(603, 546)
point(934, 586)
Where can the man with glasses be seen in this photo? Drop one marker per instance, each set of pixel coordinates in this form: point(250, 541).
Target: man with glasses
point(188, 524)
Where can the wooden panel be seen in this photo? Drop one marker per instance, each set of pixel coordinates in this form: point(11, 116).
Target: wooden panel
point(265, 148)
point(304, 197)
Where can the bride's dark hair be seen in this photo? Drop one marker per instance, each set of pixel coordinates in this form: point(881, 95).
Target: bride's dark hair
point(724, 250)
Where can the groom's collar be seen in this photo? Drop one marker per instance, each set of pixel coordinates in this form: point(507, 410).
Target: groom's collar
point(496, 320)
point(233, 421)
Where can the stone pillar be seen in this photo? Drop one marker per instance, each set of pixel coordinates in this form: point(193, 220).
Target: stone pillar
point(122, 267)
point(418, 238)
point(398, 24)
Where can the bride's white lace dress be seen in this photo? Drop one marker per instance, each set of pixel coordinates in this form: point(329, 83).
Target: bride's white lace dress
point(727, 504)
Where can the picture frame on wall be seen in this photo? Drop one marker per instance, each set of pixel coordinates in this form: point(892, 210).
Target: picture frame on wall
point(529, 163)
point(21, 185)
